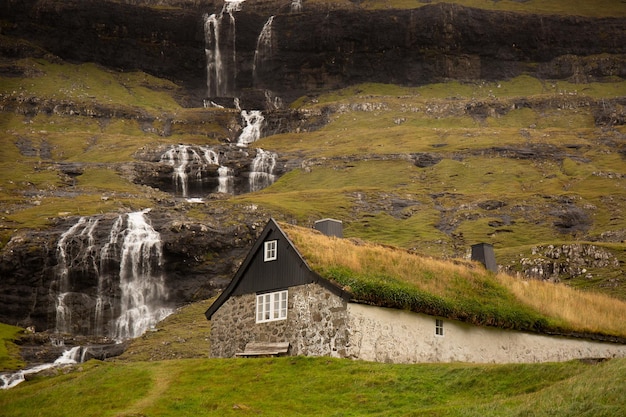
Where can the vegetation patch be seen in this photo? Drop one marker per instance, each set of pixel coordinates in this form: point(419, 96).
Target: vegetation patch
point(235, 387)
point(9, 351)
point(395, 278)
point(601, 8)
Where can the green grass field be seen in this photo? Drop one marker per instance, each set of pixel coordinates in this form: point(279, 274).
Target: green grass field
point(142, 383)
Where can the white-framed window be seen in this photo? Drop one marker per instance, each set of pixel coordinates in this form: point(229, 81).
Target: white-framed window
point(438, 327)
point(271, 306)
point(269, 253)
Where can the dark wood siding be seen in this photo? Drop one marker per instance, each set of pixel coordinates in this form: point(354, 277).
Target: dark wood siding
point(286, 271)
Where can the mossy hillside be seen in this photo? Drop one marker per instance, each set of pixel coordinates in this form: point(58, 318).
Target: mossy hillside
point(451, 191)
point(33, 190)
point(358, 166)
point(9, 351)
point(90, 83)
point(601, 8)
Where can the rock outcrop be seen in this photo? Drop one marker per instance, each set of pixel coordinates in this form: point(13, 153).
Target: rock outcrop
point(199, 257)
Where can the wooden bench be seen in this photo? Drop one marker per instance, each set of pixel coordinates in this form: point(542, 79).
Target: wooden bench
point(264, 349)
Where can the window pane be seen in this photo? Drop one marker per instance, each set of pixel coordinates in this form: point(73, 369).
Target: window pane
point(271, 306)
point(269, 248)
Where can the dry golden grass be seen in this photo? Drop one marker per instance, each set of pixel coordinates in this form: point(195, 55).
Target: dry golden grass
point(363, 257)
point(585, 311)
point(489, 298)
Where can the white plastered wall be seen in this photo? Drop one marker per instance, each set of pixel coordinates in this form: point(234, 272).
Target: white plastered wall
point(395, 336)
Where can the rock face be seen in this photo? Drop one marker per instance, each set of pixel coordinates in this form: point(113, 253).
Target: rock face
point(198, 258)
point(556, 262)
point(317, 49)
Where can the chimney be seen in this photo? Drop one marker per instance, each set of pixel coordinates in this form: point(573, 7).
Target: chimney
point(483, 253)
point(330, 227)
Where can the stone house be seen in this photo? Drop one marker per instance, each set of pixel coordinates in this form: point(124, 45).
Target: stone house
point(277, 305)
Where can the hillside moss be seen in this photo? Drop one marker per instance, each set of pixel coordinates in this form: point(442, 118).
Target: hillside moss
point(9, 351)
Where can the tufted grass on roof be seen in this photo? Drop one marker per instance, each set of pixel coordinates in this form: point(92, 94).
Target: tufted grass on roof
point(392, 277)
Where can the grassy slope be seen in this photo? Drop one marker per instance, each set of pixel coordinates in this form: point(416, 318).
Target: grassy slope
point(597, 8)
point(322, 386)
point(138, 385)
point(348, 184)
point(9, 354)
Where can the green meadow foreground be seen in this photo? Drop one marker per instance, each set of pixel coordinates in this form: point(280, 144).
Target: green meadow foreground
point(322, 387)
point(143, 383)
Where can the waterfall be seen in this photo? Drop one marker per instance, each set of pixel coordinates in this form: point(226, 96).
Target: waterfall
point(262, 170)
point(115, 288)
point(68, 357)
point(272, 101)
point(225, 180)
point(108, 273)
point(264, 49)
point(251, 132)
point(76, 249)
point(221, 69)
point(141, 282)
point(189, 165)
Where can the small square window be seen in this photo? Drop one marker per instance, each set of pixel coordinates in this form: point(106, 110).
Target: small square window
point(270, 252)
point(438, 327)
point(271, 306)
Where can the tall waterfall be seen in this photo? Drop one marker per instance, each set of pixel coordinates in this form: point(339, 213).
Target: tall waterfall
point(141, 281)
point(262, 170)
point(251, 132)
point(189, 164)
point(264, 49)
point(220, 50)
point(125, 260)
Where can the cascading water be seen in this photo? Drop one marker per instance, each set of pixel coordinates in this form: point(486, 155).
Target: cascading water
point(251, 132)
point(226, 180)
point(264, 49)
point(189, 163)
point(141, 281)
point(221, 69)
point(262, 170)
point(130, 293)
point(76, 249)
point(69, 357)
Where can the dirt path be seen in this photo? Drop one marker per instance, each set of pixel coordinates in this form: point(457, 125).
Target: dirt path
point(162, 377)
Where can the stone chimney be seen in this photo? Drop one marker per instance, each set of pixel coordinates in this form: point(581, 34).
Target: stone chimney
point(483, 253)
point(330, 227)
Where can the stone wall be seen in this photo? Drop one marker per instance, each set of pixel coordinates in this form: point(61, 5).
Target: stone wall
point(388, 335)
point(315, 324)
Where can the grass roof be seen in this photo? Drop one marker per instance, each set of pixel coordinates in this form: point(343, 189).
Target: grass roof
point(456, 289)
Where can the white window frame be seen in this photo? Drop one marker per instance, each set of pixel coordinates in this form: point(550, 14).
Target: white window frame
point(439, 327)
point(270, 250)
point(271, 306)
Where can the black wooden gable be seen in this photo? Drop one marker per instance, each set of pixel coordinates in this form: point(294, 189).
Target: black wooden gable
point(255, 275)
point(287, 270)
